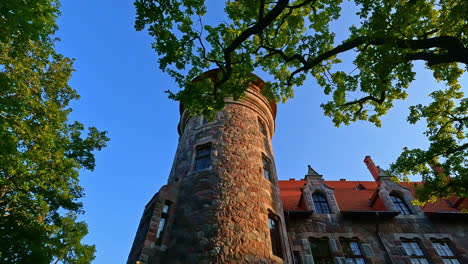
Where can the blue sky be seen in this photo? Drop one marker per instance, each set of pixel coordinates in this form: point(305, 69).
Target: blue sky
point(121, 91)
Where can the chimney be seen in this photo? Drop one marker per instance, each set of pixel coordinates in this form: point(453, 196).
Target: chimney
point(371, 167)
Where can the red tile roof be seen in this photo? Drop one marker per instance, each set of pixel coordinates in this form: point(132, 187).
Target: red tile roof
point(352, 197)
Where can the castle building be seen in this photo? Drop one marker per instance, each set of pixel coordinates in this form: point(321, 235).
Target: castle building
point(223, 203)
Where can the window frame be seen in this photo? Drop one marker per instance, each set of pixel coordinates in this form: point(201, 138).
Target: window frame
point(351, 255)
point(204, 121)
point(162, 225)
point(400, 204)
point(266, 168)
point(262, 127)
point(452, 259)
point(319, 205)
point(321, 258)
point(411, 248)
point(275, 235)
point(203, 160)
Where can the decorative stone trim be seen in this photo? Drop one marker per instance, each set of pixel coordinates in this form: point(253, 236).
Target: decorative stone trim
point(328, 192)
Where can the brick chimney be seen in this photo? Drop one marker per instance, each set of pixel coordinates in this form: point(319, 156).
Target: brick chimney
point(371, 167)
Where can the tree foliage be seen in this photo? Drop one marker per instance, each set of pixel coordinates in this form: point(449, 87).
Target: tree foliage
point(41, 151)
point(292, 40)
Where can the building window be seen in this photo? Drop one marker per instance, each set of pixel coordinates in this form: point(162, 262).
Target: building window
point(162, 222)
point(445, 252)
point(321, 251)
point(275, 236)
point(415, 253)
point(352, 252)
point(297, 257)
point(262, 127)
point(321, 204)
point(266, 168)
point(203, 157)
point(400, 204)
point(204, 120)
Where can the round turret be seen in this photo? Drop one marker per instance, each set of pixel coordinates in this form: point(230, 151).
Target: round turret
point(228, 208)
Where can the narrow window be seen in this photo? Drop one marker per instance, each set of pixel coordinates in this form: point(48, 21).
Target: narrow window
point(203, 157)
point(297, 257)
point(352, 252)
point(161, 226)
point(204, 120)
point(275, 236)
point(266, 168)
point(262, 127)
point(320, 203)
point(162, 222)
point(445, 252)
point(321, 251)
point(165, 209)
point(400, 204)
point(415, 253)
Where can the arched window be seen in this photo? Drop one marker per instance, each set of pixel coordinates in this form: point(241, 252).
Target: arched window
point(321, 204)
point(400, 204)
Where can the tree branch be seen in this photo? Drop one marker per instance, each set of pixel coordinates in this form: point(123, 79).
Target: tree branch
point(255, 29)
point(456, 51)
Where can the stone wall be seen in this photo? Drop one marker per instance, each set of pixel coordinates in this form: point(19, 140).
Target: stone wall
point(221, 213)
point(144, 248)
point(380, 240)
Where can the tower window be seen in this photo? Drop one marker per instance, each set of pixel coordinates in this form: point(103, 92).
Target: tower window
point(415, 253)
point(203, 157)
point(400, 204)
point(445, 252)
point(321, 251)
point(275, 236)
point(162, 222)
point(161, 226)
point(321, 204)
point(267, 168)
point(352, 251)
point(262, 127)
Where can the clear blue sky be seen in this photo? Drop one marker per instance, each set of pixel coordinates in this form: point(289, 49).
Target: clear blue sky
point(121, 91)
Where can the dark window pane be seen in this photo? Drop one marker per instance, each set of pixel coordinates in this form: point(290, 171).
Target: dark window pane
point(203, 157)
point(275, 236)
point(266, 168)
point(321, 251)
point(321, 204)
point(262, 128)
point(400, 204)
point(297, 257)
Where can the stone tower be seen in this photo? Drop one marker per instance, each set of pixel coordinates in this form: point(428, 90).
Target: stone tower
point(222, 201)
